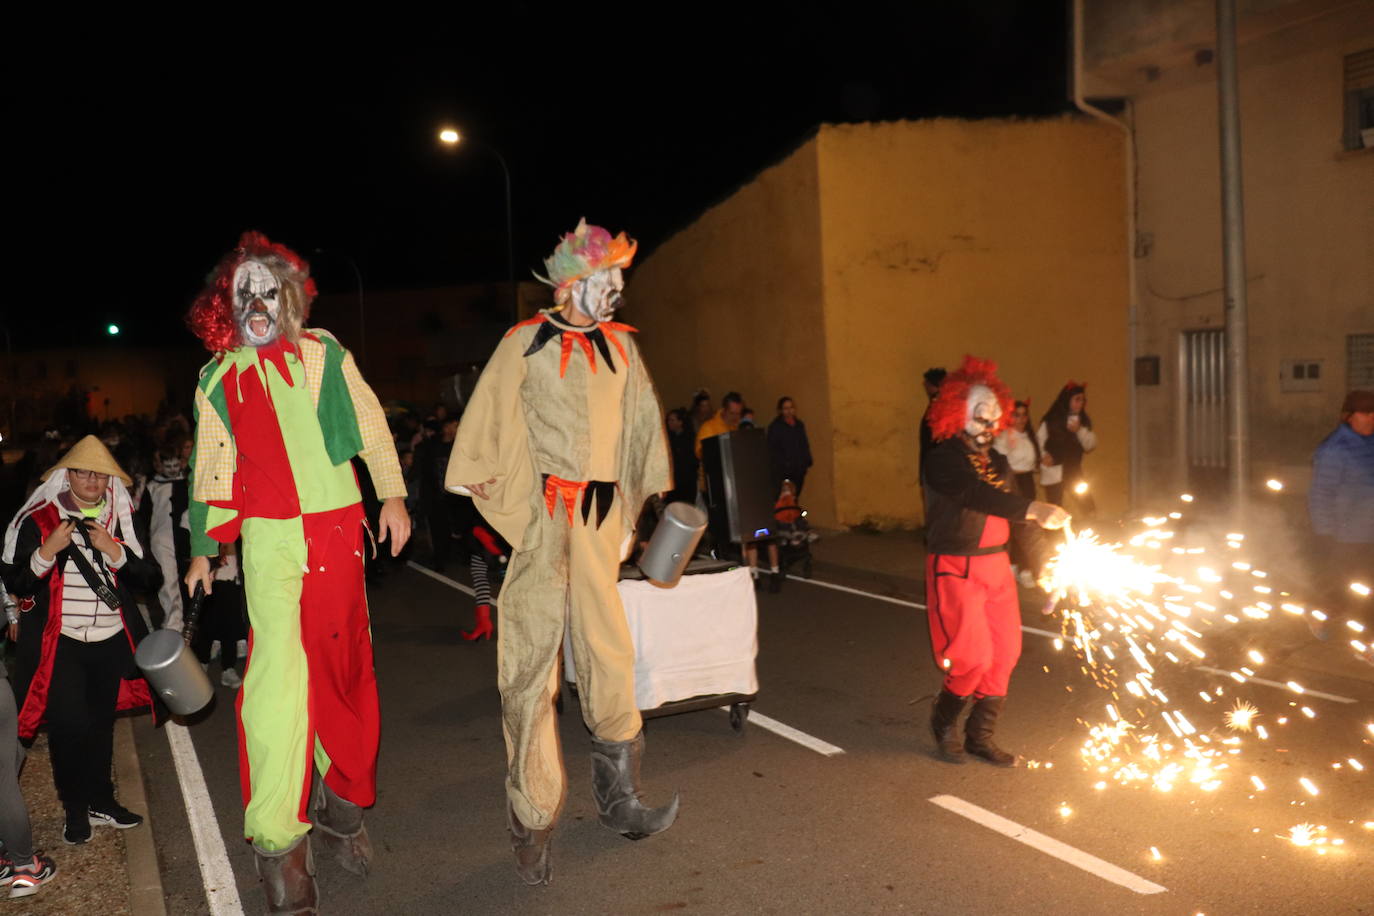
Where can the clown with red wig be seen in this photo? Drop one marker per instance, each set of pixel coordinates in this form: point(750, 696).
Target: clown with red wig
point(280, 411)
point(972, 511)
point(561, 444)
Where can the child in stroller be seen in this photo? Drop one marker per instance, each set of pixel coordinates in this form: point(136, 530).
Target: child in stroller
point(794, 531)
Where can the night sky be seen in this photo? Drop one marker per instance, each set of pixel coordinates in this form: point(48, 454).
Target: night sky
point(134, 168)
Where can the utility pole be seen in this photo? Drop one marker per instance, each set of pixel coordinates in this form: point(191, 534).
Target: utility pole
point(1233, 256)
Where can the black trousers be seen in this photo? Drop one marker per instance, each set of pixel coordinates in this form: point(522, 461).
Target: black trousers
point(222, 617)
point(81, 714)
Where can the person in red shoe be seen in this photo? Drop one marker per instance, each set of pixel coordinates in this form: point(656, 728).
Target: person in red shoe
point(971, 512)
point(486, 549)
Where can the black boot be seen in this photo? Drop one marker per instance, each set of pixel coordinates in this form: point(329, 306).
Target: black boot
point(978, 732)
point(944, 725)
point(341, 828)
point(615, 785)
point(533, 852)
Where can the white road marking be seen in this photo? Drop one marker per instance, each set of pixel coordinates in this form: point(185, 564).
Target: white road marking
point(1306, 691)
point(902, 601)
point(216, 873)
point(441, 577)
point(792, 734)
point(1048, 845)
point(858, 591)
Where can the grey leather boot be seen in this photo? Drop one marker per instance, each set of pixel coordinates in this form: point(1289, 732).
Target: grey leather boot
point(615, 785)
point(341, 829)
point(288, 878)
point(533, 850)
point(944, 725)
point(982, 721)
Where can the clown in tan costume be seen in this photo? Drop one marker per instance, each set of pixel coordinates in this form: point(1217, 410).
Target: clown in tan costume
point(561, 444)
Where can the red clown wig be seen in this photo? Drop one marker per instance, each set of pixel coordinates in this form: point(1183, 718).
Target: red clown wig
point(211, 317)
point(949, 412)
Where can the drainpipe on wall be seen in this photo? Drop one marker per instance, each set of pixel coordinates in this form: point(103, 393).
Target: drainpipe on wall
point(1132, 313)
point(1233, 255)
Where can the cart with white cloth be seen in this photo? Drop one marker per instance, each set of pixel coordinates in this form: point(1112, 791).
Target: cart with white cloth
point(695, 643)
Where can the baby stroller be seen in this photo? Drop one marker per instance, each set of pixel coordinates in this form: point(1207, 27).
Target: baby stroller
point(794, 534)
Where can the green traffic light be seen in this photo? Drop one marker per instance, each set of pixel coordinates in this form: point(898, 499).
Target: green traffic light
point(112, 330)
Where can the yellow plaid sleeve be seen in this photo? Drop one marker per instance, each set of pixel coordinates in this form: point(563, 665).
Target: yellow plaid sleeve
point(214, 469)
point(379, 451)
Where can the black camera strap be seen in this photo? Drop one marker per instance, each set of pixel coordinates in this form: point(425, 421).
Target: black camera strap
point(99, 582)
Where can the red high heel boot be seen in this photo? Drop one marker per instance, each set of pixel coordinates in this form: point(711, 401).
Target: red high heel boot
point(483, 628)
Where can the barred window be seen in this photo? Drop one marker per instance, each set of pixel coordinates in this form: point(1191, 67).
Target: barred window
point(1359, 362)
point(1359, 100)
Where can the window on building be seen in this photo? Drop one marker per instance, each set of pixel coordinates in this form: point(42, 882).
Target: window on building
point(1359, 361)
point(1359, 100)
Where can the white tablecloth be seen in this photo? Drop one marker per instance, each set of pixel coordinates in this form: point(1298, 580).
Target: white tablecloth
point(699, 637)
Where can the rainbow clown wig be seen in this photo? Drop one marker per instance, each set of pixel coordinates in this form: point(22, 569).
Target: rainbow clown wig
point(583, 252)
point(950, 410)
point(211, 317)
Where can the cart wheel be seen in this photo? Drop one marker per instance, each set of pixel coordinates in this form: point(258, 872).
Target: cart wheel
point(739, 714)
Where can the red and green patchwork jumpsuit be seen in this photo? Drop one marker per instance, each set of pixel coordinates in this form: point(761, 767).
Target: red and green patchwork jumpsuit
point(276, 427)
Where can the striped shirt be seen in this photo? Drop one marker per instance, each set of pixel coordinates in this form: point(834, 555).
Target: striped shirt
point(84, 616)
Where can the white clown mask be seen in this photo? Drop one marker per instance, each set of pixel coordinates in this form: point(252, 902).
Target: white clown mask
point(984, 414)
point(257, 304)
point(599, 295)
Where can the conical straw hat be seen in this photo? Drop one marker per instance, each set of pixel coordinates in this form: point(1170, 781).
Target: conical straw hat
point(90, 454)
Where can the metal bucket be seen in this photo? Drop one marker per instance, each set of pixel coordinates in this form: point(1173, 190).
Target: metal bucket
point(171, 667)
point(674, 539)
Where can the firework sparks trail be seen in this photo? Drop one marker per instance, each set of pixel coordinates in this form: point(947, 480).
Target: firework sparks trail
point(1129, 612)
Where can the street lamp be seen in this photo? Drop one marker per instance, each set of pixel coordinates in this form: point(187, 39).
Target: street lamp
point(451, 138)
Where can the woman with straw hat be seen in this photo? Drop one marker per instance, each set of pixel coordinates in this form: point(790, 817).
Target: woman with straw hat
point(74, 557)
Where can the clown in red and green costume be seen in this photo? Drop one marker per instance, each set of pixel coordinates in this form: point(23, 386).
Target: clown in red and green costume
point(280, 411)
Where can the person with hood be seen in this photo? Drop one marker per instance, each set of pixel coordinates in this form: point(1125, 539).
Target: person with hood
point(1340, 503)
point(75, 561)
point(1065, 436)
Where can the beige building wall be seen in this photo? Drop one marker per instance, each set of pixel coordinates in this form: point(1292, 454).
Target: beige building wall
point(734, 302)
point(1005, 239)
point(1309, 223)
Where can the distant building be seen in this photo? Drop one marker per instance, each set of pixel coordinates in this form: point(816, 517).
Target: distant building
point(1306, 81)
point(874, 251)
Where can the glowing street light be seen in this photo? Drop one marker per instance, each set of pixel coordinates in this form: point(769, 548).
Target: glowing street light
point(1275, 485)
point(451, 138)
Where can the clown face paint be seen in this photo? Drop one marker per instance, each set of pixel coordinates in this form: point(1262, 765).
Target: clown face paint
point(598, 296)
point(257, 303)
point(984, 413)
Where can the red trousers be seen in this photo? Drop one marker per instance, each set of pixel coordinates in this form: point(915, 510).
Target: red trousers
point(975, 621)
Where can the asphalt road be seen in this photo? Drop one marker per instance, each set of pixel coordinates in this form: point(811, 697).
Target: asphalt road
point(771, 826)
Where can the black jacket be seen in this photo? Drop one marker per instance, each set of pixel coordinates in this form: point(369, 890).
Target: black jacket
point(959, 501)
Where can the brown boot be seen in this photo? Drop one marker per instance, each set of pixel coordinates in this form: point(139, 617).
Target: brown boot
point(944, 725)
point(982, 720)
point(339, 826)
point(533, 851)
point(288, 878)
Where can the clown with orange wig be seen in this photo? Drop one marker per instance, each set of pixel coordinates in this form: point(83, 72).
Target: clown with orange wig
point(280, 411)
point(561, 444)
point(971, 598)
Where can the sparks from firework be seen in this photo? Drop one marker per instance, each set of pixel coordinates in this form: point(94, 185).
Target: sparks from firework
point(1241, 716)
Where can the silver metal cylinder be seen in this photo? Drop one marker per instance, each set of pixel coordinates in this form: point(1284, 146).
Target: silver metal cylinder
point(674, 539)
point(171, 668)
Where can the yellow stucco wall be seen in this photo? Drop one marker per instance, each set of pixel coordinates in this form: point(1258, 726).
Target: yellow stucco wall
point(734, 302)
point(1006, 239)
point(874, 251)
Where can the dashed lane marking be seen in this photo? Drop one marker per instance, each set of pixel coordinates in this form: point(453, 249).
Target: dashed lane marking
point(755, 718)
point(1048, 845)
point(1306, 691)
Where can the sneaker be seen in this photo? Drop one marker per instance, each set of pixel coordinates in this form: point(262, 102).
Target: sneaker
point(25, 880)
point(77, 831)
point(114, 815)
point(230, 678)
